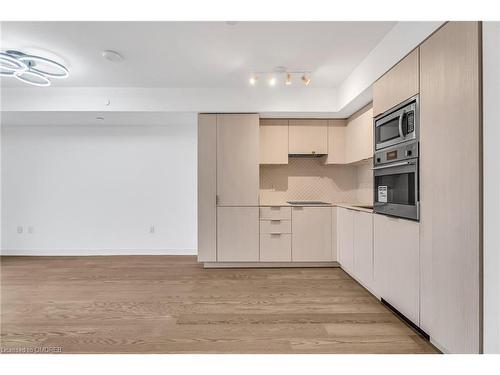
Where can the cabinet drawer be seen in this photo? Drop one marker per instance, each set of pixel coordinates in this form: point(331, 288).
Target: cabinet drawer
point(275, 226)
point(275, 247)
point(276, 213)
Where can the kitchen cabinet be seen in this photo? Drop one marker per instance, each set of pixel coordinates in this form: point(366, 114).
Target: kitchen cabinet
point(336, 142)
point(450, 186)
point(396, 264)
point(275, 247)
point(311, 234)
point(359, 136)
point(401, 82)
point(363, 248)
point(238, 159)
point(308, 137)
point(345, 239)
point(207, 191)
point(237, 234)
point(273, 141)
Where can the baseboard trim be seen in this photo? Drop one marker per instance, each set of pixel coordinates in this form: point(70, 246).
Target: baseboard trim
point(268, 264)
point(94, 252)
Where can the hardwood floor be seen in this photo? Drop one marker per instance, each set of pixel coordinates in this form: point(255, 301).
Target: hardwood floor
point(170, 304)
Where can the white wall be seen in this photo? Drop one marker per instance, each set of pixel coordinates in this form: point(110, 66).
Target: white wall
point(98, 189)
point(491, 171)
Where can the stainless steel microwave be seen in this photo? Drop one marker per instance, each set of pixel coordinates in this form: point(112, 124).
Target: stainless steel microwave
point(397, 125)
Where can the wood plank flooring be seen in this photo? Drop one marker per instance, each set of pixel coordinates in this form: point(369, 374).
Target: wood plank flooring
point(170, 304)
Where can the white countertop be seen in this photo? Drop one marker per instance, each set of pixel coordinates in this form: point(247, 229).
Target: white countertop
point(351, 206)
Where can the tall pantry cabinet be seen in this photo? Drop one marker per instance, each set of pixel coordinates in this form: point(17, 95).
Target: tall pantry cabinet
point(450, 187)
point(228, 187)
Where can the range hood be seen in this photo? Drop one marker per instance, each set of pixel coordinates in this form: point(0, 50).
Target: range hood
point(306, 155)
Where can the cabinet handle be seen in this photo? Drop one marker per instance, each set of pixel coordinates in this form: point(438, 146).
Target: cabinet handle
point(275, 221)
point(275, 234)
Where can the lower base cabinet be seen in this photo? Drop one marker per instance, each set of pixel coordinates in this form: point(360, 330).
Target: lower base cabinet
point(237, 234)
point(275, 247)
point(363, 248)
point(396, 264)
point(312, 234)
point(345, 238)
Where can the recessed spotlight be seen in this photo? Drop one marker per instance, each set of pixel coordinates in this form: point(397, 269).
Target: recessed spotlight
point(231, 23)
point(100, 118)
point(253, 80)
point(112, 56)
point(306, 80)
point(272, 81)
point(288, 79)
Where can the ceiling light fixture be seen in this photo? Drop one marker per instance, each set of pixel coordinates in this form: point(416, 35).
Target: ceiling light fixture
point(283, 74)
point(306, 79)
point(31, 69)
point(253, 79)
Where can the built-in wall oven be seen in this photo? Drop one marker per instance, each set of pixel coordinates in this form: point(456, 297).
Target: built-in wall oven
point(396, 162)
point(396, 183)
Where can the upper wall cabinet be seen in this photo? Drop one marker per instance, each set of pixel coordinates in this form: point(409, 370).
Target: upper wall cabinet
point(273, 141)
point(238, 159)
point(359, 136)
point(397, 85)
point(308, 137)
point(336, 142)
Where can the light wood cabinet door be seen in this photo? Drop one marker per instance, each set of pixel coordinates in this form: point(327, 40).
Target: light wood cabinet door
point(308, 136)
point(345, 239)
point(401, 82)
point(311, 234)
point(396, 264)
point(273, 141)
point(363, 248)
point(237, 234)
point(275, 247)
point(238, 159)
point(359, 136)
point(336, 142)
point(450, 186)
point(207, 191)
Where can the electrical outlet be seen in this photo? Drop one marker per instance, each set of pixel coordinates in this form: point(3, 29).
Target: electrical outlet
point(20, 229)
point(31, 229)
point(152, 229)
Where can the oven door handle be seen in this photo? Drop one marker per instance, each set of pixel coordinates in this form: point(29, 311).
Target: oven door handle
point(394, 165)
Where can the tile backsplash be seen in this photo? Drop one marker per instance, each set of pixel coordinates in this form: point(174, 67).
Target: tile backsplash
point(311, 179)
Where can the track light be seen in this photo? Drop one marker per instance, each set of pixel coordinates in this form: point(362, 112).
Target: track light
point(288, 79)
point(306, 80)
point(253, 80)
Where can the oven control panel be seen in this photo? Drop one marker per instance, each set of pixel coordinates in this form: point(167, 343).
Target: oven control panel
point(403, 151)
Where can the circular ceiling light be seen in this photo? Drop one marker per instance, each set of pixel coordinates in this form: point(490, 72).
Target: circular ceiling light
point(36, 61)
point(9, 65)
point(112, 56)
point(33, 78)
point(31, 69)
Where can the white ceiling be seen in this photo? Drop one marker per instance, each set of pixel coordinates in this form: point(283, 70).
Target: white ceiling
point(89, 118)
point(194, 54)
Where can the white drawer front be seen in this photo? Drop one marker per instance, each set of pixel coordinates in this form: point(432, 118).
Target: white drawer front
point(275, 226)
point(275, 247)
point(283, 213)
